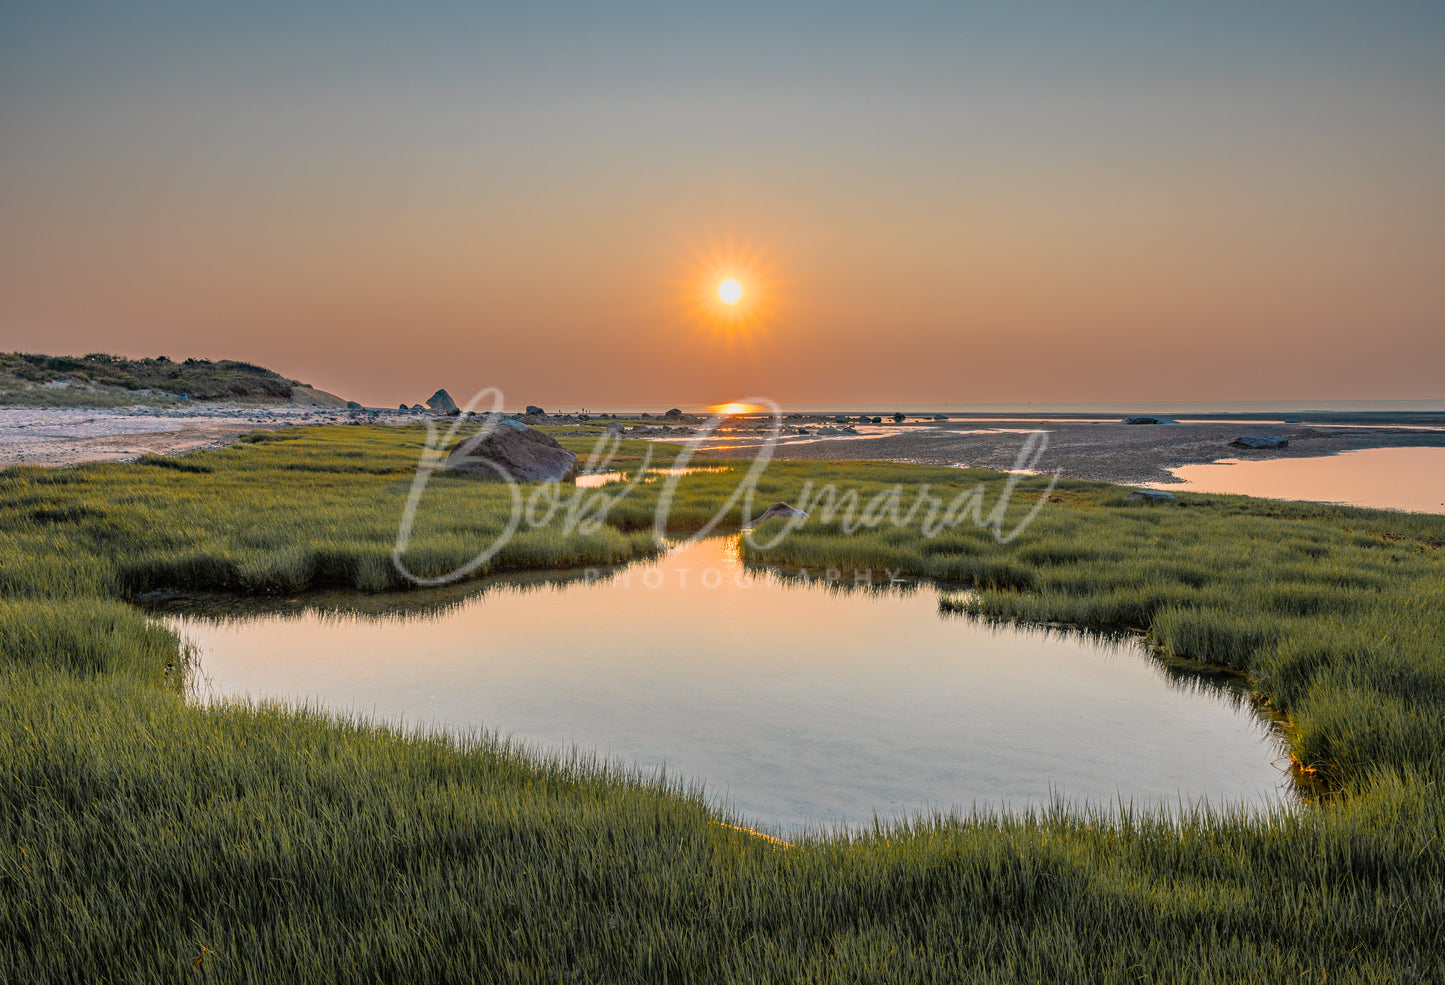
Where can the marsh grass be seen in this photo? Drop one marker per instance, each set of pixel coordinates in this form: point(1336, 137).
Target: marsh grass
point(1308, 601)
point(146, 839)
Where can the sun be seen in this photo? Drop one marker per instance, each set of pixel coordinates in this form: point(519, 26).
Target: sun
point(730, 291)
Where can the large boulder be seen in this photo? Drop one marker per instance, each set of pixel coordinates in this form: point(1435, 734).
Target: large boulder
point(673, 415)
point(442, 401)
point(534, 411)
point(1150, 420)
point(1260, 441)
point(513, 450)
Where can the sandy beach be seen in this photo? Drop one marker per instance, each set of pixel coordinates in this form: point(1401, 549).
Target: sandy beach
point(59, 436)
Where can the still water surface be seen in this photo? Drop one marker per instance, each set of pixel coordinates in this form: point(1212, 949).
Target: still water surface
point(1386, 478)
point(792, 701)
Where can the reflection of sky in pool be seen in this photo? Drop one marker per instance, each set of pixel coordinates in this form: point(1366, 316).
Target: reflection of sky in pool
point(793, 702)
point(1389, 478)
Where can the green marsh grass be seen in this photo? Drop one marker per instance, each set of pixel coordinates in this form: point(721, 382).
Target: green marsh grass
point(146, 839)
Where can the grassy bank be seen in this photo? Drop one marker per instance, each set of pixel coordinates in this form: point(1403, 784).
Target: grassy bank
point(142, 839)
point(102, 380)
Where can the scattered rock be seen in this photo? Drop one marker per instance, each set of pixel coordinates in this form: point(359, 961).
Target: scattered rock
point(780, 509)
point(615, 427)
point(1152, 495)
point(514, 450)
point(1260, 441)
point(441, 400)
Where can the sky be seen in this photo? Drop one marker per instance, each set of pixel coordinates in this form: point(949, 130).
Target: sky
point(924, 203)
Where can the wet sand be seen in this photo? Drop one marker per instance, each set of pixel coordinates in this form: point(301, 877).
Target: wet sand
point(1109, 452)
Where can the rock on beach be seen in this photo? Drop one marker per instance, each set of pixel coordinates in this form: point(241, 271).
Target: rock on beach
point(512, 450)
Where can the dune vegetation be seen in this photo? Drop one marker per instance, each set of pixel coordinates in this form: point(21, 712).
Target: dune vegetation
point(102, 380)
point(143, 838)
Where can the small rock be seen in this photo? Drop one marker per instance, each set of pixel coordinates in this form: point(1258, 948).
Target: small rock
point(780, 509)
point(1260, 441)
point(1150, 494)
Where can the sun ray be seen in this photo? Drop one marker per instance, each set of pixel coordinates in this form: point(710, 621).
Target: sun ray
point(731, 296)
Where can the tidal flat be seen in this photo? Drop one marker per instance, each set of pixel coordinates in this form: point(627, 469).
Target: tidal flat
point(144, 838)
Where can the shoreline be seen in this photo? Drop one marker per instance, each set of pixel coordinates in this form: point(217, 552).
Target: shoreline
point(1107, 451)
point(1127, 454)
point(56, 437)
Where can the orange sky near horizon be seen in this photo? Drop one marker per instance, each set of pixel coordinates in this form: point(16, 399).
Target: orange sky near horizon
point(927, 227)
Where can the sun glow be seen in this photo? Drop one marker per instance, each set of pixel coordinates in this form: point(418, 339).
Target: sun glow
point(734, 408)
point(730, 291)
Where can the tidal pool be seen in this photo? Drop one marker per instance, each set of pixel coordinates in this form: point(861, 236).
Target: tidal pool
point(797, 698)
point(1410, 479)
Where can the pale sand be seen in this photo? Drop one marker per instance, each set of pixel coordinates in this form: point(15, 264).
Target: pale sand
point(62, 436)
